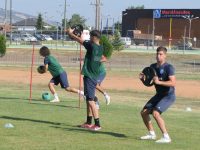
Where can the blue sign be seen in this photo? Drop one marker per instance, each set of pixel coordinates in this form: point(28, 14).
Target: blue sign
point(157, 13)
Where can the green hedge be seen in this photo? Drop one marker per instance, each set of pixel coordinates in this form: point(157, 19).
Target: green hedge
point(2, 45)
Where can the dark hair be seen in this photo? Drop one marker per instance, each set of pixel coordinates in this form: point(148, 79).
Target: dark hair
point(161, 48)
point(44, 51)
point(95, 33)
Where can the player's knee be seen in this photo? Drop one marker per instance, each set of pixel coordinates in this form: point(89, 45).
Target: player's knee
point(68, 89)
point(144, 113)
point(156, 114)
point(50, 84)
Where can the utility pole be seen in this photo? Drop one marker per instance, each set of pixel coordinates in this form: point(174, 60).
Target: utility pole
point(10, 21)
point(5, 17)
point(97, 5)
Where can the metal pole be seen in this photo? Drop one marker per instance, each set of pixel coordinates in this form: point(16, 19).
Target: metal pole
point(153, 33)
point(96, 20)
point(190, 27)
point(5, 17)
point(10, 21)
point(57, 37)
point(64, 21)
point(184, 40)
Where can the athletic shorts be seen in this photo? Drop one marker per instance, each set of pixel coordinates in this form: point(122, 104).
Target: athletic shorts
point(62, 79)
point(160, 102)
point(101, 78)
point(89, 88)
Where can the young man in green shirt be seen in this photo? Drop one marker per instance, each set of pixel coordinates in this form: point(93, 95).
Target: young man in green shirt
point(91, 72)
point(59, 75)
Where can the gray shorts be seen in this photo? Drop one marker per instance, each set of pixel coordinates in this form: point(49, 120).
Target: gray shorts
point(160, 102)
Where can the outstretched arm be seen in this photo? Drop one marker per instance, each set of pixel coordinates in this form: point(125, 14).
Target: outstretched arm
point(76, 38)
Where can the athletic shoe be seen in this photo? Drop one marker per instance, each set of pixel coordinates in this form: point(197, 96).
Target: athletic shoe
point(148, 137)
point(95, 128)
point(85, 125)
point(164, 140)
point(55, 101)
point(107, 97)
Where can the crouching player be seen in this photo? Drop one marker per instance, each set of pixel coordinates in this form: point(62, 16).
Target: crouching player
point(59, 75)
point(165, 96)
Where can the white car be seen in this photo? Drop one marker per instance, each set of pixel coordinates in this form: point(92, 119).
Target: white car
point(46, 37)
point(28, 37)
point(126, 41)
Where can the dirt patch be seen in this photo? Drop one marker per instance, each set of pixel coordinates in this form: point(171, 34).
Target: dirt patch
point(188, 89)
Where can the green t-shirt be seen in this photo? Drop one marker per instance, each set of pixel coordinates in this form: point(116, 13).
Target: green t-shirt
point(53, 65)
point(92, 62)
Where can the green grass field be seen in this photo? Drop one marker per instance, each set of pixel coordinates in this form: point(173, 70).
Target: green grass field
point(41, 125)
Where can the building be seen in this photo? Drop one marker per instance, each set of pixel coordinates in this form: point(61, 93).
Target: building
point(171, 24)
point(28, 25)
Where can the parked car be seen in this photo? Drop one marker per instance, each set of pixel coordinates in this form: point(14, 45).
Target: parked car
point(126, 41)
point(28, 37)
point(46, 37)
point(39, 37)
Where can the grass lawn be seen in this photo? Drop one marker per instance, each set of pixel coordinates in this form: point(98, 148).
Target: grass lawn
point(41, 125)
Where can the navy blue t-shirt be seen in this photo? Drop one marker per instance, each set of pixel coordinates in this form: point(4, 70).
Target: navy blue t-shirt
point(163, 72)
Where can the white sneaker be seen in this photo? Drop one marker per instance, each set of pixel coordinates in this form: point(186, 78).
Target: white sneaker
point(148, 137)
point(55, 101)
point(107, 97)
point(164, 140)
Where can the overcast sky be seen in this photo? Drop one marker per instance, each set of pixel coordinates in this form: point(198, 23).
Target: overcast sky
point(53, 9)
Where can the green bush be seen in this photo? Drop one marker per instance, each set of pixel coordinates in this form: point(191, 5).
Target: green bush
point(108, 48)
point(2, 46)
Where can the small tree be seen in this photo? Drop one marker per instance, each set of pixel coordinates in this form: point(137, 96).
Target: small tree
point(107, 46)
point(39, 23)
point(117, 43)
point(2, 46)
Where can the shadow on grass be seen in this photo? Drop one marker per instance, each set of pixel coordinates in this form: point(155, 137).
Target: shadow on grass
point(36, 102)
point(53, 104)
point(119, 135)
point(31, 120)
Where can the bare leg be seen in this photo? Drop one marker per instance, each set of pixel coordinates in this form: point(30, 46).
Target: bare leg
point(93, 110)
point(51, 88)
point(160, 121)
point(147, 120)
point(73, 90)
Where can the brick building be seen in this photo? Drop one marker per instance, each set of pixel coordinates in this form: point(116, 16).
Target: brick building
point(142, 19)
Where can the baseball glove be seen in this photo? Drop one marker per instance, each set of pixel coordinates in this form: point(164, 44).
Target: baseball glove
point(78, 29)
point(149, 73)
point(41, 69)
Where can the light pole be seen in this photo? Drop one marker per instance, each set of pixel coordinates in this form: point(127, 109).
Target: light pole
point(190, 18)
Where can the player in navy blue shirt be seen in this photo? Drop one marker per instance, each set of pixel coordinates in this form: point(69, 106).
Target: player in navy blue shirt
point(164, 83)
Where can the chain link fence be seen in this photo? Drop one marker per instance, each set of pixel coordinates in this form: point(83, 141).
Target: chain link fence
point(119, 61)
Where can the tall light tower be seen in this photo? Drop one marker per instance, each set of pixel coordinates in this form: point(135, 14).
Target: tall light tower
point(190, 18)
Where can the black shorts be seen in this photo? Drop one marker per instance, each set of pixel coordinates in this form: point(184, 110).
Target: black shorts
point(62, 79)
point(160, 102)
point(89, 88)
